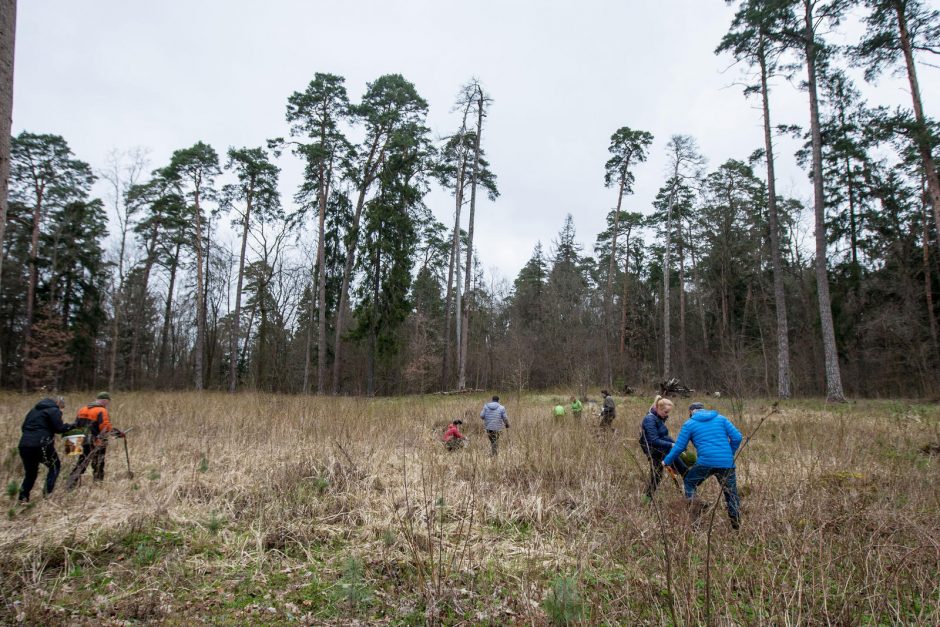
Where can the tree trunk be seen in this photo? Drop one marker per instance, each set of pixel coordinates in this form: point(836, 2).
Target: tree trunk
point(33, 279)
point(236, 320)
point(780, 297)
point(7, 48)
point(321, 283)
point(611, 267)
point(368, 175)
point(145, 283)
point(465, 329)
point(667, 336)
point(928, 288)
point(200, 297)
point(683, 347)
point(308, 351)
point(168, 314)
point(625, 299)
point(923, 143)
point(834, 391)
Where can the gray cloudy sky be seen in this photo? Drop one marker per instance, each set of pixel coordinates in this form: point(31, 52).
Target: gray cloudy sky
point(564, 75)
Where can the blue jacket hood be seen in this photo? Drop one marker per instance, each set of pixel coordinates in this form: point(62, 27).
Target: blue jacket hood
point(704, 415)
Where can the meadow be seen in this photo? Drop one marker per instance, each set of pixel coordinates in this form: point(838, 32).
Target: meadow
point(265, 509)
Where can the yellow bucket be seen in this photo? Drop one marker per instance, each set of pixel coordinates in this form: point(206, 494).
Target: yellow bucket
point(74, 443)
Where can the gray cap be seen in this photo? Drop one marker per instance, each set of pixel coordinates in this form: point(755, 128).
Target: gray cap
point(696, 406)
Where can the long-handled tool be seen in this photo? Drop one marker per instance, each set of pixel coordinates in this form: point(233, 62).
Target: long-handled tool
point(130, 473)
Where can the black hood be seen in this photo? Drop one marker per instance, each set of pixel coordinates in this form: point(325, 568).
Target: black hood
point(46, 403)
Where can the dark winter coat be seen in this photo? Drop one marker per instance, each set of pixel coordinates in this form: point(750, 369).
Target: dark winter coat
point(654, 435)
point(42, 423)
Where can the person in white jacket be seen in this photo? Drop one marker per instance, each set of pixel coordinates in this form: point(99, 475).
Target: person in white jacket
point(494, 421)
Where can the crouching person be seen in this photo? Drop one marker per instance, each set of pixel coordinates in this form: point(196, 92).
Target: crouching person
point(494, 421)
point(656, 443)
point(453, 438)
point(96, 422)
point(37, 444)
point(716, 440)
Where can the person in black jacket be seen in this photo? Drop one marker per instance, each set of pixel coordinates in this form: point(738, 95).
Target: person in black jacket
point(656, 443)
point(37, 444)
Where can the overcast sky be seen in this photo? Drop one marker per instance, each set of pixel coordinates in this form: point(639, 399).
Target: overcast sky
point(111, 74)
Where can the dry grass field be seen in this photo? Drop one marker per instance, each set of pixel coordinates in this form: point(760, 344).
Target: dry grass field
point(258, 509)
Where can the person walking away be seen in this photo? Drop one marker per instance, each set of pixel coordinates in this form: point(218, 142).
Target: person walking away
point(453, 438)
point(96, 422)
point(608, 410)
point(656, 444)
point(576, 408)
point(716, 440)
point(494, 421)
point(37, 444)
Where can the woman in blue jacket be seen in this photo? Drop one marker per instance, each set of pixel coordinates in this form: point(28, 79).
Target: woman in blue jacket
point(716, 441)
point(656, 443)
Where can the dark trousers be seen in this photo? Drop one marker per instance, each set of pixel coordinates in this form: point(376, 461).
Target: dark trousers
point(606, 420)
point(656, 470)
point(494, 440)
point(32, 456)
point(726, 479)
point(91, 456)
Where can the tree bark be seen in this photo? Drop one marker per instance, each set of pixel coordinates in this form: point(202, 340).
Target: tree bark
point(168, 314)
point(200, 309)
point(368, 175)
point(7, 48)
point(465, 329)
point(834, 392)
point(928, 289)
point(667, 336)
point(236, 320)
point(141, 303)
point(923, 144)
point(33, 279)
point(780, 297)
point(611, 267)
point(626, 293)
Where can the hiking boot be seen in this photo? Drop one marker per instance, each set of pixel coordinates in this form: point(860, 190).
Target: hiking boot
point(735, 523)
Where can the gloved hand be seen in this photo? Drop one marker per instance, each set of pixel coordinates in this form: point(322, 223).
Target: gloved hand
point(118, 433)
point(68, 426)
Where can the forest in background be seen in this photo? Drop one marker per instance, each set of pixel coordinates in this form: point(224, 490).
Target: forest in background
point(353, 287)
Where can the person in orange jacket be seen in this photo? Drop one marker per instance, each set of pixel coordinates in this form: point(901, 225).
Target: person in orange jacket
point(96, 422)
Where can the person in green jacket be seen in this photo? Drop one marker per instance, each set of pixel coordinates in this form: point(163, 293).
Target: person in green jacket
point(576, 407)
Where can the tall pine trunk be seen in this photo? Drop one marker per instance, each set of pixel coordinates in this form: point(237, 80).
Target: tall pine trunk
point(200, 297)
point(321, 281)
point(923, 143)
point(368, 175)
point(611, 268)
point(168, 314)
point(667, 335)
point(236, 320)
point(834, 391)
point(626, 294)
point(7, 47)
point(141, 303)
point(33, 280)
point(780, 297)
point(465, 329)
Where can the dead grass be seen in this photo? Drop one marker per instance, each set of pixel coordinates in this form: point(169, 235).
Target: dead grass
point(259, 509)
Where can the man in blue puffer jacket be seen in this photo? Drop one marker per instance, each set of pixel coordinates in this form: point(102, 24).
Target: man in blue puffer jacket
point(494, 421)
point(716, 441)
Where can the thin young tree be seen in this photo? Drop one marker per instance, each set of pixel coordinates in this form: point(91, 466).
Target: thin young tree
point(627, 148)
point(317, 113)
point(749, 40)
point(897, 29)
point(253, 199)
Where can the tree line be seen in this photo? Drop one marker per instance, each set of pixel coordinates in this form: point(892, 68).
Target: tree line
point(355, 287)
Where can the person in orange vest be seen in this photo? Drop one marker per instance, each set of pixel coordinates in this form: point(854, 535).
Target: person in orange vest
point(96, 422)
